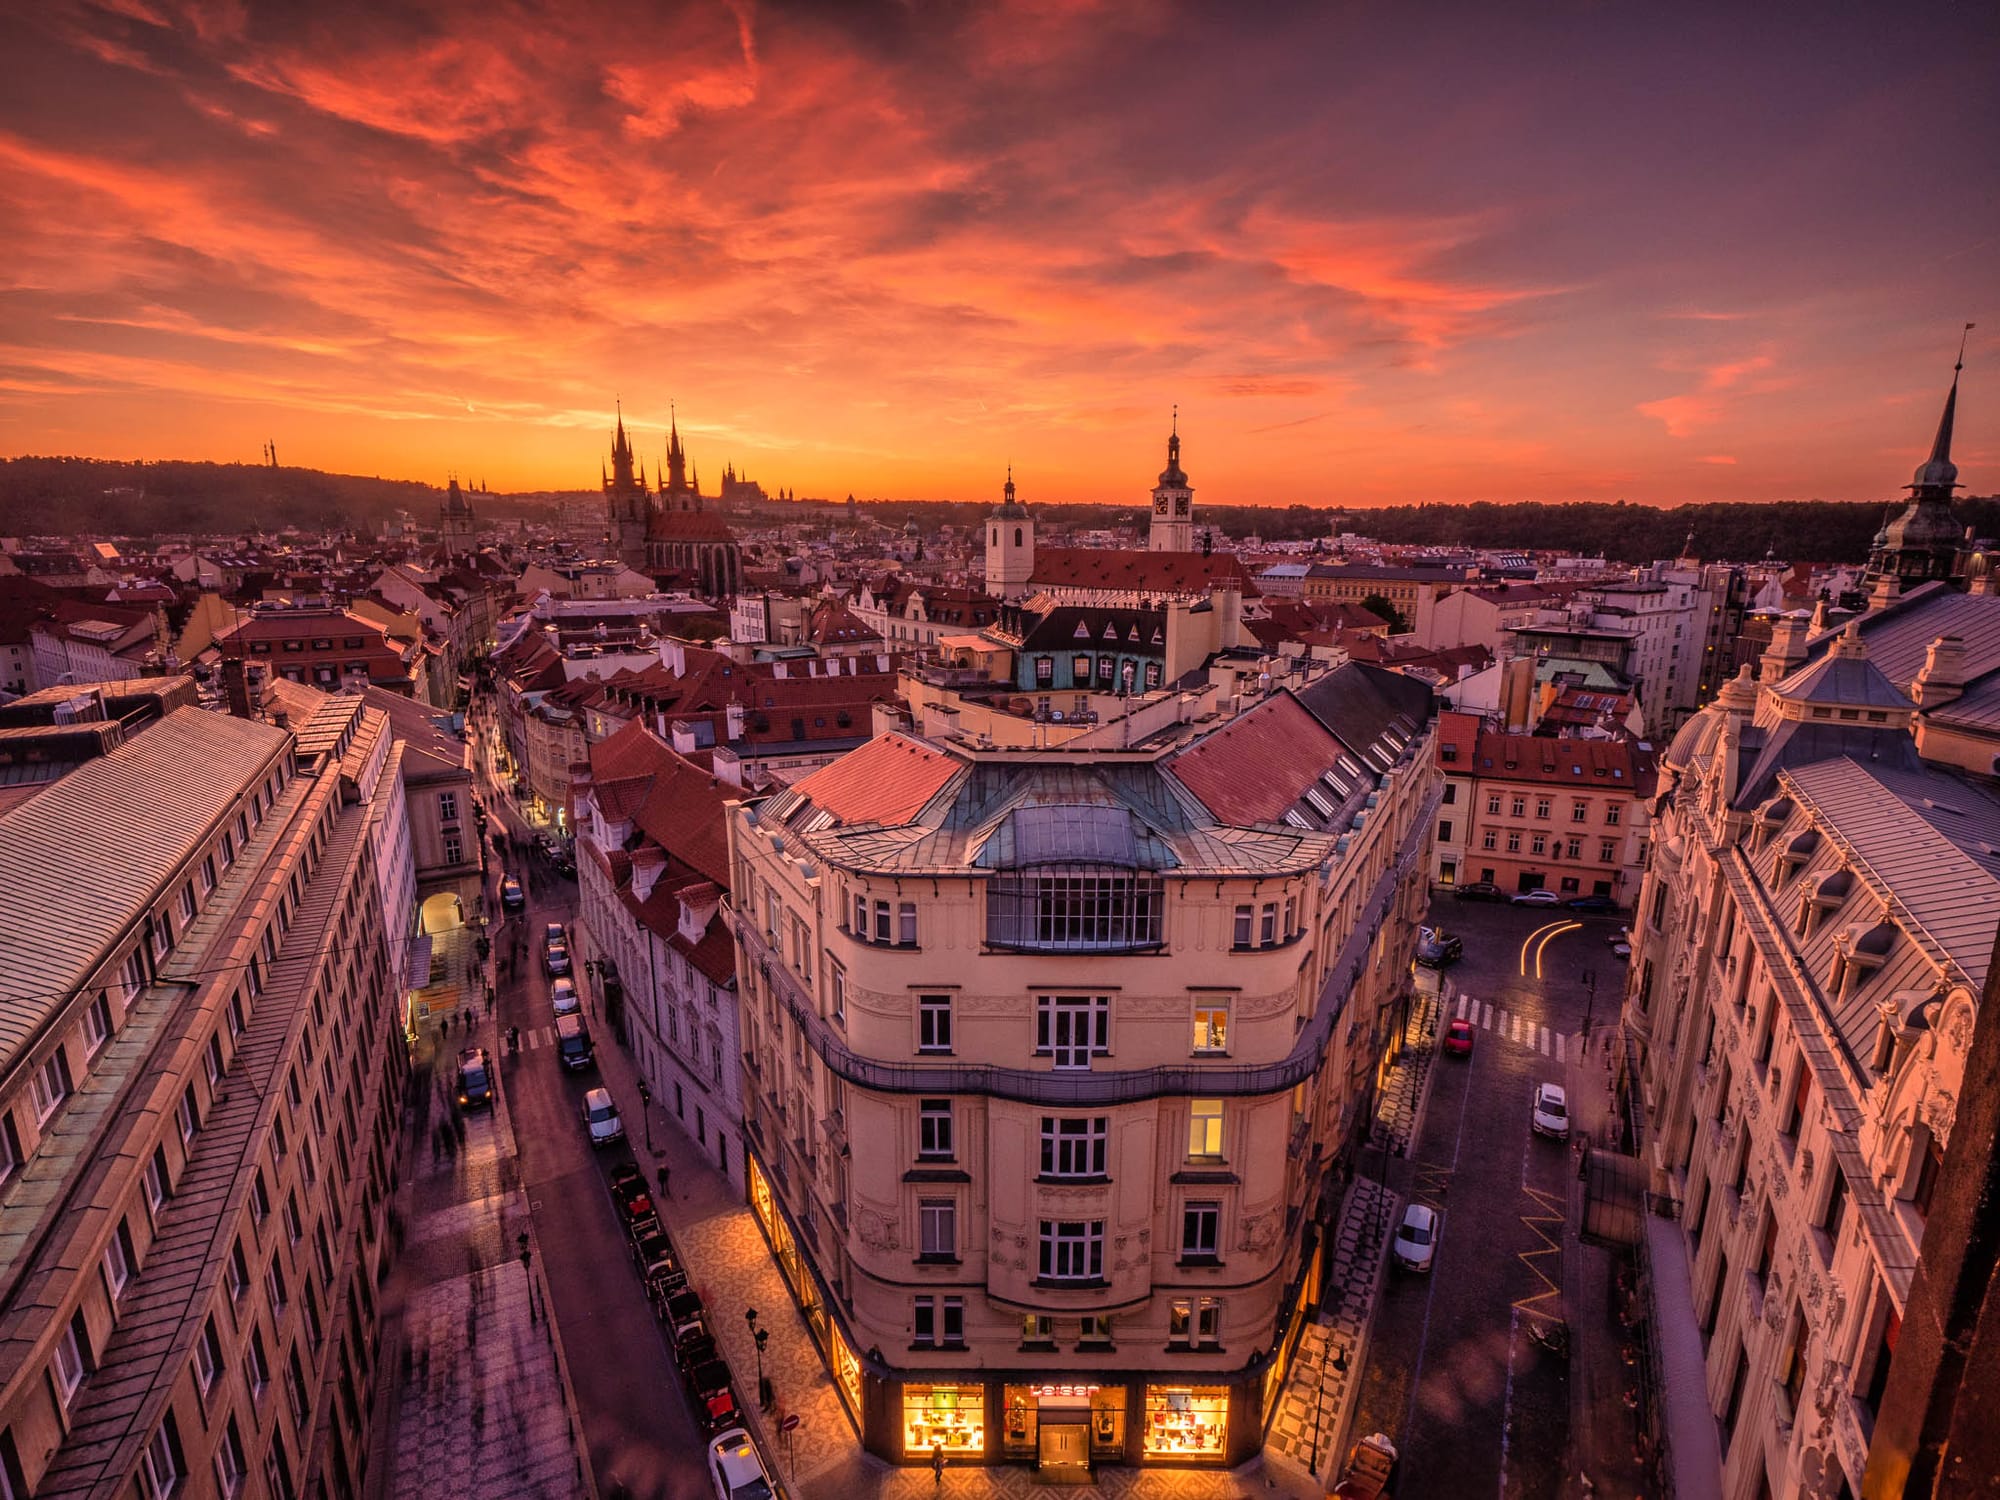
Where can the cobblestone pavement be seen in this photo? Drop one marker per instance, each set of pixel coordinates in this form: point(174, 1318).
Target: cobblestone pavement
point(480, 1406)
point(1313, 1410)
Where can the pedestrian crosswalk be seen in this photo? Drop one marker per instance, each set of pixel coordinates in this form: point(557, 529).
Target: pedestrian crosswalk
point(1521, 1030)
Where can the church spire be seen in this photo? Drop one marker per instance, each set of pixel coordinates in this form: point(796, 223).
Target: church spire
point(1939, 475)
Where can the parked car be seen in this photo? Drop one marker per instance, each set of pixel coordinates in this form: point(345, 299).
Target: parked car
point(552, 933)
point(563, 996)
point(1591, 903)
point(1458, 1037)
point(1436, 948)
point(475, 1078)
point(735, 1469)
point(555, 958)
point(573, 1043)
point(1480, 890)
point(1621, 942)
point(1535, 898)
point(1416, 1238)
point(511, 896)
point(1551, 1116)
point(600, 1118)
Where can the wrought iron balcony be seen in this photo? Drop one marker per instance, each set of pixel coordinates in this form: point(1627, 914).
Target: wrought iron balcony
point(1083, 1088)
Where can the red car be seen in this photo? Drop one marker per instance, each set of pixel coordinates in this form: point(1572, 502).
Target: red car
point(1458, 1037)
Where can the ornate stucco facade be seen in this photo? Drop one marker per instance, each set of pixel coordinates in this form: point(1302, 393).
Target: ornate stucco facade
point(1050, 1057)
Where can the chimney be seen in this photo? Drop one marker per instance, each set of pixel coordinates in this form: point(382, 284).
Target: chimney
point(1787, 650)
point(733, 722)
point(1943, 676)
point(1885, 592)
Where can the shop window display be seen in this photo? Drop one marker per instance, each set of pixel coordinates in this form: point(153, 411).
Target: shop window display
point(952, 1417)
point(1186, 1421)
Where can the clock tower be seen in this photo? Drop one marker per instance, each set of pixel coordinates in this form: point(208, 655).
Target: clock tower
point(1010, 546)
point(1173, 501)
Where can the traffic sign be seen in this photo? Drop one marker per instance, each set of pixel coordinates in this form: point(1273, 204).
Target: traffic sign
point(790, 1424)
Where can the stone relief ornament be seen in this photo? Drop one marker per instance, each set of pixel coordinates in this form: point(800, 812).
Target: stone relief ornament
point(1939, 1111)
point(1958, 1029)
point(1805, 1169)
point(1774, 1302)
point(877, 1230)
point(1780, 1179)
point(1259, 1232)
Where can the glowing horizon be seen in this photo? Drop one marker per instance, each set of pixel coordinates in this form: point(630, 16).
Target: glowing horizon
point(1586, 253)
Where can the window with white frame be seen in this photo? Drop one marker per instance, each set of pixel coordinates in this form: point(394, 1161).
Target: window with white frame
point(132, 975)
point(119, 1262)
point(1072, 1249)
point(1246, 925)
point(837, 984)
point(188, 906)
point(208, 1357)
point(934, 1127)
point(1074, 1147)
point(97, 1024)
point(160, 1467)
point(71, 1353)
point(158, 1186)
point(1072, 1028)
point(1094, 1330)
point(50, 1086)
point(937, 1223)
point(883, 932)
point(257, 1365)
point(10, 1145)
point(448, 807)
point(1267, 925)
point(1205, 1129)
point(906, 924)
point(934, 1023)
point(230, 1470)
point(1201, 1230)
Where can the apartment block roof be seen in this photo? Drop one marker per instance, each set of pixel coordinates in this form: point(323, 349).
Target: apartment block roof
point(1161, 574)
point(80, 861)
point(887, 780)
point(1262, 764)
point(1574, 763)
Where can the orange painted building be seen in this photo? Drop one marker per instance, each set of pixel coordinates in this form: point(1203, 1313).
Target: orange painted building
point(1527, 812)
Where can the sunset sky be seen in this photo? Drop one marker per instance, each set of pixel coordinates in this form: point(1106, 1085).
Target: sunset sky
point(1377, 253)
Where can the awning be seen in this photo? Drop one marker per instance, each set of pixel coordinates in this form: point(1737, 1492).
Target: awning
point(1614, 1199)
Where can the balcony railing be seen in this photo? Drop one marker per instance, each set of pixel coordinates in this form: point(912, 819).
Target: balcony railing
point(1082, 1088)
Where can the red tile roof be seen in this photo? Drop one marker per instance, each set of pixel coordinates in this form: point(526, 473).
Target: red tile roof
point(1256, 766)
point(1139, 572)
point(682, 807)
point(887, 780)
point(1619, 765)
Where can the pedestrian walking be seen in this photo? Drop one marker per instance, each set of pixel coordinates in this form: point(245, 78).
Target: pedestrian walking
point(665, 1192)
point(937, 1465)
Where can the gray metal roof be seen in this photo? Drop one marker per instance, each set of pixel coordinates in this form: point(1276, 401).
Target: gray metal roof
point(1850, 681)
point(79, 862)
point(1898, 636)
point(1932, 841)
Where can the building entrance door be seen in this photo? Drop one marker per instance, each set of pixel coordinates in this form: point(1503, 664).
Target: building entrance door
point(1065, 1444)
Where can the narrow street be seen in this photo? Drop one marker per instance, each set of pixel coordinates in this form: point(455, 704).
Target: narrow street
point(637, 1423)
point(1454, 1376)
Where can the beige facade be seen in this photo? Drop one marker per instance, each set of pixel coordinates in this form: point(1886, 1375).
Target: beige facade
point(199, 1111)
point(1815, 929)
point(1048, 1060)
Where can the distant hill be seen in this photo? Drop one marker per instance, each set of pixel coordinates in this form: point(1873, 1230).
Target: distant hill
point(67, 496)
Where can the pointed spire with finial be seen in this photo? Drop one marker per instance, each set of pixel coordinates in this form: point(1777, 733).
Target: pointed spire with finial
point(1939, 473)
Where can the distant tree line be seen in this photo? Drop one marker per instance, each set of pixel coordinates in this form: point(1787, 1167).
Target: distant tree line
point(62, 496)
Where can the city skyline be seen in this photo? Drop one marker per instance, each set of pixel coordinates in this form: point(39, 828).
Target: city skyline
point(1599, 256)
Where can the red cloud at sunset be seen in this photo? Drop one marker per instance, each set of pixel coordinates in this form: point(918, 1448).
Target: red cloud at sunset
point(883, 248)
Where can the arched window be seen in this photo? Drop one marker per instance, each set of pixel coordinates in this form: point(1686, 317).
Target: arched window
point(1017, 536)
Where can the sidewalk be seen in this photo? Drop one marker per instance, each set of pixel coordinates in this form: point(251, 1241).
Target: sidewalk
point(1604, 1431)
point(731, 1269)
point(1309, 1432)
point(481, 1405)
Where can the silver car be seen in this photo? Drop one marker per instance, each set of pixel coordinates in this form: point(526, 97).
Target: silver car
point(600, 1118)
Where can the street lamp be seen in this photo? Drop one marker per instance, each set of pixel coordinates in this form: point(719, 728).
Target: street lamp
point(759, 1336)
point(646, 1098)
